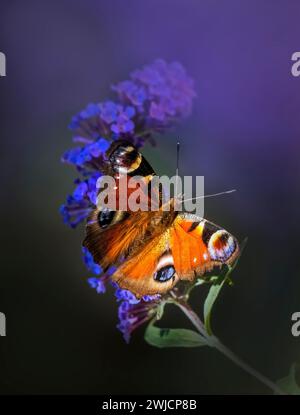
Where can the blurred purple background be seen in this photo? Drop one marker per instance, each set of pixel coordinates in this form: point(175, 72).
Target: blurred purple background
point(243, 133)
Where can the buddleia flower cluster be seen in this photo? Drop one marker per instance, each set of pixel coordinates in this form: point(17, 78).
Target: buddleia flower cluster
point(154, 98)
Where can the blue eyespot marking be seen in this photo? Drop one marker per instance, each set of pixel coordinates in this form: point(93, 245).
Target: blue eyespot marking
point(165, 273)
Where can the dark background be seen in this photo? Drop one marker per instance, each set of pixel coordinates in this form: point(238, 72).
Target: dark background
point(243, 133)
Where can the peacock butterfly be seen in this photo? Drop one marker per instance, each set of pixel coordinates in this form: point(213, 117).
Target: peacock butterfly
point(153, 250)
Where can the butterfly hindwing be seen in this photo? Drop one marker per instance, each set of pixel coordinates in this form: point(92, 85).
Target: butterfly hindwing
point(151, 270)
point(189, 248)
point(199, 245)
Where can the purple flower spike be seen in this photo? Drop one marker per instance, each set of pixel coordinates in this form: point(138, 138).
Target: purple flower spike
point(98, 284)
point(73, 211)
point(162, 92)
point(133, 315)
point(125, 295)
point(81, 156)
point(89, 262)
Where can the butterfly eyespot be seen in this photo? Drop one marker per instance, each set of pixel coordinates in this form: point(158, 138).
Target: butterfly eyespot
point(125, 159)
point(165, 274)
point(105, 217)
point(221, 246)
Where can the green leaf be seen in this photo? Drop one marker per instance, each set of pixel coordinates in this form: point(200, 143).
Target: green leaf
point(160, 310)
point(161, 337)
point(218, 282)
point(209, 302)
point(200, 281)
point(289, 383)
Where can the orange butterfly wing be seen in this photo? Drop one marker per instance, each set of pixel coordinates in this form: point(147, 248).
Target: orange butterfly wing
point(143, 273)
point(189, 248)
point(199, 245)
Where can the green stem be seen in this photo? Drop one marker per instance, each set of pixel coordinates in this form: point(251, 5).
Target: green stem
point(215, 342)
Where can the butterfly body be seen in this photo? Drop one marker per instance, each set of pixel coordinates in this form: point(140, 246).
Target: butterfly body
point(153, 250)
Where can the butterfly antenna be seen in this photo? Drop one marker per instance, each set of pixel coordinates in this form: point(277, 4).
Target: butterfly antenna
point(211, 195)
point(177, 158)
point(177, 168)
